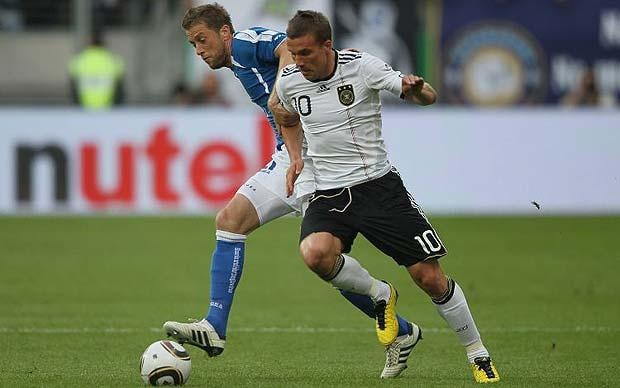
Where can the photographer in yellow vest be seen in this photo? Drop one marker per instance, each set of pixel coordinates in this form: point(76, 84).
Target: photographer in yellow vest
point(96, 76)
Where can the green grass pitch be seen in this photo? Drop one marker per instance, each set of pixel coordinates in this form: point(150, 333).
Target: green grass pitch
point(81, 298)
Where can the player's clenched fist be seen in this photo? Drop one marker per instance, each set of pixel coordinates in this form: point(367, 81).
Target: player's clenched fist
point(415, 89)
point(412, 84)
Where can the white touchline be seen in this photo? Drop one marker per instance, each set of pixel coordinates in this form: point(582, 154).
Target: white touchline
point(302, 330)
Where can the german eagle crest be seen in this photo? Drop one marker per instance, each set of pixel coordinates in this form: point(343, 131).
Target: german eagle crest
point(346, 95)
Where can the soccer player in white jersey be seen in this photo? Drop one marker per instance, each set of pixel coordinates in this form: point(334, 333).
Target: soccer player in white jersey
point(255, 55)
point(336, 95)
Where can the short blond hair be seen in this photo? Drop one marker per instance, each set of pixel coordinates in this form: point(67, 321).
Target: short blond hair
point(214, 16)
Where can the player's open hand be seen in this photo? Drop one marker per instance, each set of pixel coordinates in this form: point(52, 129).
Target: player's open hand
point(412, 85)
point(291, 175)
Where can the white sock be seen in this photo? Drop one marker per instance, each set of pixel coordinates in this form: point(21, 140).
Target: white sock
point(223, 235)
point(355, 278)
point(454, 309)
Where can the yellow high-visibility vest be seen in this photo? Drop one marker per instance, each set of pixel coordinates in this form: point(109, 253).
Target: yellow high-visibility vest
point(96, 72)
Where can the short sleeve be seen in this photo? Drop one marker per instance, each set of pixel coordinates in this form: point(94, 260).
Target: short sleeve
point(379, 75)
point(268, 42)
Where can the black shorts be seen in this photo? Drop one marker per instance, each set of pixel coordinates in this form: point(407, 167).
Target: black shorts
point(382, 211)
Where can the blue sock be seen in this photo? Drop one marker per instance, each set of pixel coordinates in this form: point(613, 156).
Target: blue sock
point(365, 304)
point(226, 267)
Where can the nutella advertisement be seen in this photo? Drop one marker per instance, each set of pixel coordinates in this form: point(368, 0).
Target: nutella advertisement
point(191, 161)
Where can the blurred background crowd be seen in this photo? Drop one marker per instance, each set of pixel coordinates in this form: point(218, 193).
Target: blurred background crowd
point(476, 52)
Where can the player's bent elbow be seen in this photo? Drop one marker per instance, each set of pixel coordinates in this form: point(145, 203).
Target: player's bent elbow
point(273, 102)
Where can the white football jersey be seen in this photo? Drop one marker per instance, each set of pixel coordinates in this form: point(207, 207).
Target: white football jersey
point(341, 117)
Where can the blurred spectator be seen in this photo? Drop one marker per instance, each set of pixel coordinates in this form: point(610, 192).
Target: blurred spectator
point(374, 31)
point(181, 95)
point(96, 76)
point(211, 91)
point(10, 15)
point(585, 93)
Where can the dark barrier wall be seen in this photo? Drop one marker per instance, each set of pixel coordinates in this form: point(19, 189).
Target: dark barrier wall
point(528, 51)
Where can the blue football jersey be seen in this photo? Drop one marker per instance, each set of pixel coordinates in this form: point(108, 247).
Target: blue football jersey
point(256, 66)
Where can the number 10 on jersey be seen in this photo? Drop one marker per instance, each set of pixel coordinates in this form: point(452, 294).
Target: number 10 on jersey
point(303, 105)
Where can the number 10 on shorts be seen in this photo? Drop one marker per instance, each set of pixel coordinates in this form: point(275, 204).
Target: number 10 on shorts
point(429, 242)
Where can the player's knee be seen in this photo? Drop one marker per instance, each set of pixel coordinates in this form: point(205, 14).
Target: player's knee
point(228, 220)
point(315, 255)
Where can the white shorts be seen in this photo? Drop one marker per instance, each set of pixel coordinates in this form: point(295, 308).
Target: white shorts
point(266, 189)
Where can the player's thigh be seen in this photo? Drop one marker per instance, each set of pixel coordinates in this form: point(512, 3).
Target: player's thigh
point(238, 216)
point(320, 218)
point(408, 240)
point(266, 191)
point(395, 224)
point(266, 204)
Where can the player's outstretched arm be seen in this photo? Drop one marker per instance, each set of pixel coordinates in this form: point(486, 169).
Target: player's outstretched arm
point(416, 90)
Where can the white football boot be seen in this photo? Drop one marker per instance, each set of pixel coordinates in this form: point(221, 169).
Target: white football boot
point(198, 333)
point(397, 353)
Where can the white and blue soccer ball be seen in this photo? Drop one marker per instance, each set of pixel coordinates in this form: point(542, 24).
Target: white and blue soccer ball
point(165, 363)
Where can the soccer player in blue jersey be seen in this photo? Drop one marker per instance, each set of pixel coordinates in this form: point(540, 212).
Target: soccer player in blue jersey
point(255, 56)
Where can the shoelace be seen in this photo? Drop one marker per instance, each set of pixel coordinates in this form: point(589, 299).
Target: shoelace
point(392, 355)
point(484, 365)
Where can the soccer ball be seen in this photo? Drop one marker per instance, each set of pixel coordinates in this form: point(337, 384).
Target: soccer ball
point(165, 363)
